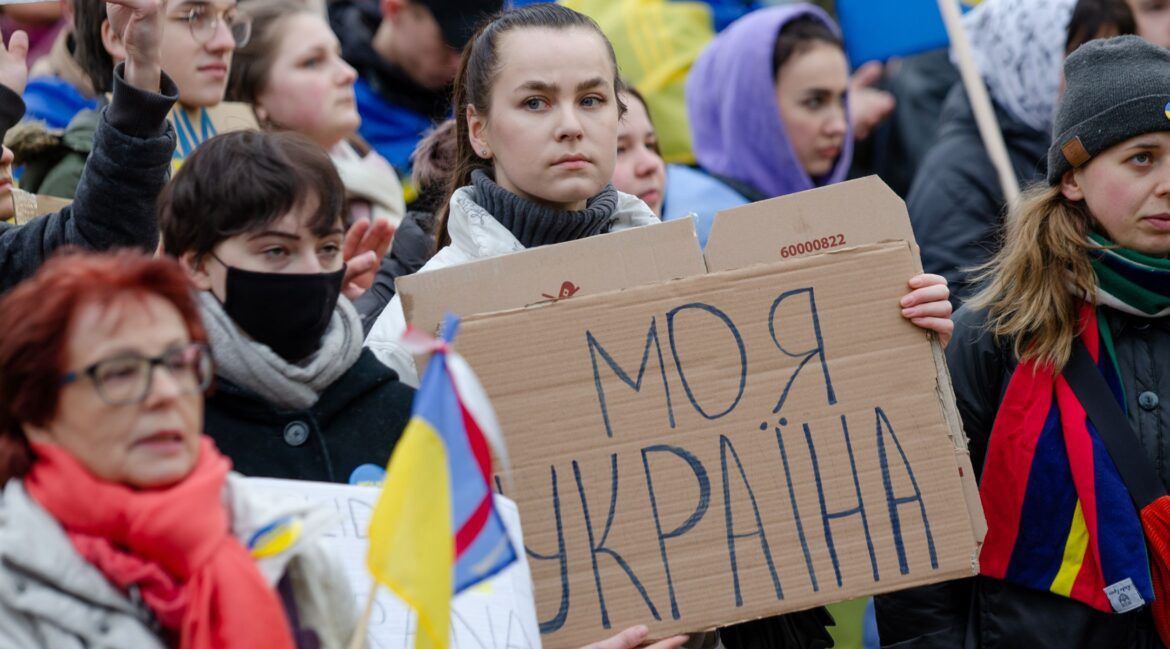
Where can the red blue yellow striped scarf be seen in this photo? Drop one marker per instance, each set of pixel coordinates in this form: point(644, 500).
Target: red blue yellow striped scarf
point(1059, 516)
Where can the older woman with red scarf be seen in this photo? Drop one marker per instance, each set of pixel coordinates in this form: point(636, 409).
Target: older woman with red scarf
point(121, 525)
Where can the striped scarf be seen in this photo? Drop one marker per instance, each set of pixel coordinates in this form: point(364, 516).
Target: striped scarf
point(1059, 516)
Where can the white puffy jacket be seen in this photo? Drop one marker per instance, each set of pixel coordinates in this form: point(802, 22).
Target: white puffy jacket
point(475, 234)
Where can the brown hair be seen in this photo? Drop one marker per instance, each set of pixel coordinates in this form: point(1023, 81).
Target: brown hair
point(633, 92)
point(431, 165)
point(244, 180)
point(477, 75)
point(1093, 19)
point(36, 319)
point(1034, 284)
point(88, 49)
point(252, 63)
point(797, 36)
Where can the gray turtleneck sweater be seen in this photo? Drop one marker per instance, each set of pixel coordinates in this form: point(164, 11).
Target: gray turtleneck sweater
point(538, 225)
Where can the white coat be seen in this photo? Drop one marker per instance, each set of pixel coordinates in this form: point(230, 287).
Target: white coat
point(475, 234)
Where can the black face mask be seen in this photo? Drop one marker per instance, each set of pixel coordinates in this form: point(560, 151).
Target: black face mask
point(287, 312)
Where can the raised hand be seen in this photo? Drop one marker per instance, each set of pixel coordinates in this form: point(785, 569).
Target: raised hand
point(139, 25)
point(868, 106)
point(13, 64)
point(362, 250)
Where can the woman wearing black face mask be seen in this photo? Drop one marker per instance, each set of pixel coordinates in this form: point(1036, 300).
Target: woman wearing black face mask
point(256, 220)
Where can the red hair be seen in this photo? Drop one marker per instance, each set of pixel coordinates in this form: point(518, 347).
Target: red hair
point(35, 321)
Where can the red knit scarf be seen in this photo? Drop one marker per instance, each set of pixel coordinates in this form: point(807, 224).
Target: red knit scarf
point(174, 544)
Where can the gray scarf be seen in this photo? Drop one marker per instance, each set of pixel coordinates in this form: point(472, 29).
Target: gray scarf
point(255, 367)
point(538, 225)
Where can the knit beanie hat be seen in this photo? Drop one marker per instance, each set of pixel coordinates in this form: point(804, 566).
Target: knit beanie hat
point(1117, 88)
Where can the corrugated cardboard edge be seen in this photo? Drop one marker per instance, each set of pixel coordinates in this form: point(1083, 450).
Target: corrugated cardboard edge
point(790, 261)
point(848, 203)
point(947, 401)
point(683, 224)
point(674, 230)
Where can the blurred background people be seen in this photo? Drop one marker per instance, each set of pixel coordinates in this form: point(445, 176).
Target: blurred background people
point(292, 73)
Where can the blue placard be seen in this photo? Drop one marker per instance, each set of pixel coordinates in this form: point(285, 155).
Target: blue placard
point(876, 30)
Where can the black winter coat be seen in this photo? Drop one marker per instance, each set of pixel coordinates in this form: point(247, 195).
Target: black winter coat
point(956, 204)
point(115, 202)
point(356, 421)
point(992, 614)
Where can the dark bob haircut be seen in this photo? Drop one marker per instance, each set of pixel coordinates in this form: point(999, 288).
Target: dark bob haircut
point(244, 181)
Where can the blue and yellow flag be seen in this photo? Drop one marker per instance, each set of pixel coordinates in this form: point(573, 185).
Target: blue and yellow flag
point(435, 530)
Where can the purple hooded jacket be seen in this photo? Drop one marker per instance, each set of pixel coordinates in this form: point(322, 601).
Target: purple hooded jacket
point(731, 104)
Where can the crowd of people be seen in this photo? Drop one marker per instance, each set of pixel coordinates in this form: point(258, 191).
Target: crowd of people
point(254, 265)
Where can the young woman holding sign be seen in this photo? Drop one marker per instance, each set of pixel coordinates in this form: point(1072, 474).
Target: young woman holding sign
point(537, 103)
point(1079, 294)
point(537, 107)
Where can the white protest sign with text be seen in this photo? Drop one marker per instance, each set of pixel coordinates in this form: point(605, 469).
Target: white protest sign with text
point(497, 614)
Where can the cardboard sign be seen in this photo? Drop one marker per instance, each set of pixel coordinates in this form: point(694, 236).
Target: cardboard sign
point(195, 126)
point(826, 219)
point(27, 207)
point(765, 438)
point(497, 614)
point(830, 218)
point(728, 447)
point(633, 257)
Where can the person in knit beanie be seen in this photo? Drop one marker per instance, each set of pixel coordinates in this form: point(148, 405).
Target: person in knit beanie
point(1117, 88)
point(1084, 269)
point(956, 202)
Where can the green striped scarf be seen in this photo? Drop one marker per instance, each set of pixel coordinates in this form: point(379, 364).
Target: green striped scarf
point(1130, 281)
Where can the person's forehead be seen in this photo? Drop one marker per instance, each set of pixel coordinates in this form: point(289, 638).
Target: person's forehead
point(579, 55)
point(636, 121)
point(821, 65)
point(311, 31)
point(218, 4)
point(296, 222)
point(134, 322)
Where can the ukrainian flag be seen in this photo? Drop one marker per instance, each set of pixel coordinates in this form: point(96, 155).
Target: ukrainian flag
point(434, 530)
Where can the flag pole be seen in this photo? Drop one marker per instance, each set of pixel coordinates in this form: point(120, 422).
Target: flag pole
point(980, 102)
point(358, 641)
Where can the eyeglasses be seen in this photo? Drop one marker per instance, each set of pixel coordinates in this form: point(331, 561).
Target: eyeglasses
point(126, 380)
point(204, 23)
